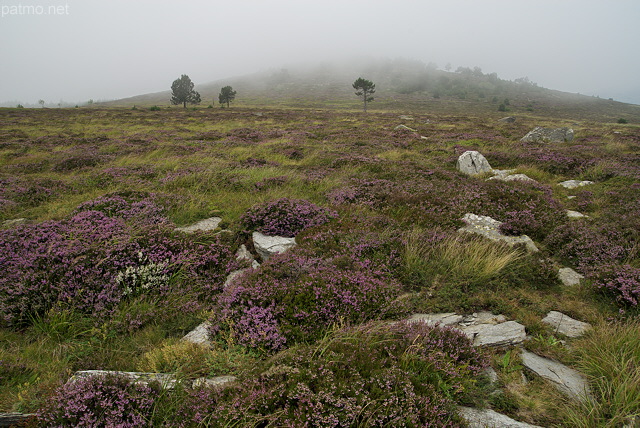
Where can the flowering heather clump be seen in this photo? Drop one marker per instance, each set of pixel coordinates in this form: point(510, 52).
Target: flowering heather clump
point(286, 217)
point(116, 205)
point(296, 297)
point(620, 281)
point(99, 401)
point(91, 262)
point(401, 375)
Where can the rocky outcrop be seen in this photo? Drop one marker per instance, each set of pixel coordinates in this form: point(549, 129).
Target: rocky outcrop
point(487, 418)
point(490, 228)
point(573, 184)
point(569, 277)
point(548, 135)
point(205, 225)
point(566, 325)
point(267, 246)
point(472, 162)
point(565, 379)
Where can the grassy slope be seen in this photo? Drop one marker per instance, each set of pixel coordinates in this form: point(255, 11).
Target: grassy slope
point(203, 158)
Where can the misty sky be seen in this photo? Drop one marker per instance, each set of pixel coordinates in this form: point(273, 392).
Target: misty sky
point(74, 50)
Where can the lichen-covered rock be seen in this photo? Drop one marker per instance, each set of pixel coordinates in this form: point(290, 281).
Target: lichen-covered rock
point(404, 128)
point(205, 225)
point(548, 135)
point(573, 184)
point(569, 277)
point(472, 162)
point(496, 335)
point(443, 319)
point(565, 379)
point(487, 418)
point(199, 335)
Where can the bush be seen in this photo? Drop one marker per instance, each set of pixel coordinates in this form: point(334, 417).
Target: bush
point(623, 120)
point(620, 281)
point(296, 297)
point(372, 375)
point(154, 108)
point(286, 217)
point(99, 401)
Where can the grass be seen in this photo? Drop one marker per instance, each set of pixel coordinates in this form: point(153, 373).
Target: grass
point(224, 161)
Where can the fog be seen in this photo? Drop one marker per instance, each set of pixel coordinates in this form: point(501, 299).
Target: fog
point(76, 50)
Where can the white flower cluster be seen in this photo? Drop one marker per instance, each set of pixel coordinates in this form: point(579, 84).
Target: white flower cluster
point(145, 276)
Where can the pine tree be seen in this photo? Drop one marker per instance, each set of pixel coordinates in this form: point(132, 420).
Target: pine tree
point(182, 92)
point(365, 88)
point(227, 94)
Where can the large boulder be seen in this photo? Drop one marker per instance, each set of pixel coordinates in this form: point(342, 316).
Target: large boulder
point(496, 335)
point(548, 135)
point(199, 335)
point(487, 418)
point(267, 246)
point(472, 162)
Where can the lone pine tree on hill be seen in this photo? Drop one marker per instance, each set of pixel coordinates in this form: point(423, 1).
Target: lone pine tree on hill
point(227, 94)
point(365, 88)
point(182, 92)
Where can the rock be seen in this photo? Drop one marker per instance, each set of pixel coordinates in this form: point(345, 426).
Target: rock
point(166, 380)
point(403, 128)
point(244, 254)
point(472, 162)
point(491, 374)
point(504, 334)
point(489, 228)
point(566, 325)
point(205, 225)
point(215, 382)
point(548, 135)
point(431, 319)
point(508, 119)
point(565, 379)
point(575, 214)
point(14, 222)
point(405, 117)
point(569, 277)
point(512, 177)
point(572, 184)
point(199, 335)
point(14, 419)
point(233, 275)
point(266, 246)
point(487, 418)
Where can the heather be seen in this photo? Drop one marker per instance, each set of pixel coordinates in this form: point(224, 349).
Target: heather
point(95, 276)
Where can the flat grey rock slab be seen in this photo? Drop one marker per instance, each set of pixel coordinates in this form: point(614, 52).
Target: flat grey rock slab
point(14, 222)
point(473, 162)
point(512, 177)
point(565, 379)
point(405, 117)
point(495, 335)
point(166, 380)
point(569, 277)
point(403, 128)
point(489, 228)
point(573, 184)
point(508, 119)
point(199, 335)
point(205, 225)
point(575, 214)
point(267, 246)
point(214, 382)
point(566, 325)
point(13, 419)
point(487, 418)
point(244, 254)
point(449, 318)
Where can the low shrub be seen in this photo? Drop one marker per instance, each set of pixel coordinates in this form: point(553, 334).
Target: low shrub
point(286, 217)
point(622, 282)
point(373, 375)
point(99, 401)
point(295, 297)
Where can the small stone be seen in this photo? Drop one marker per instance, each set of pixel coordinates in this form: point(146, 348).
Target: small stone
point(405, 117)
point(14, 222)
point(199, 335)
point(565, 379)
point(205, 225)
point(508, 119)
point(166, 380)
point(472, 162)
point(566, 325)
point(569, 277)
point(489, 228)
point(548, 135)
point(233, 275)
point(573, 184)
point(512, 177)
point(403, 128)
point(267, 246)
point(575, 214)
